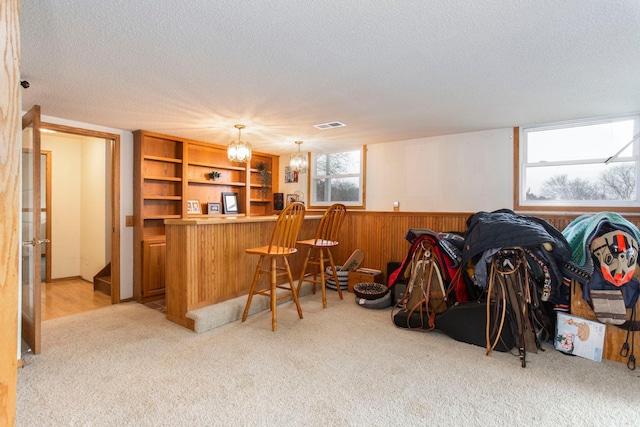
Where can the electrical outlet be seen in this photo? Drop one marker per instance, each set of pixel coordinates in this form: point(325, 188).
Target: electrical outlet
point(129, 220)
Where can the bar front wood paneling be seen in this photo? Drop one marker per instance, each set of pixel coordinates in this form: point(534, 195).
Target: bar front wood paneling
point(206, 261)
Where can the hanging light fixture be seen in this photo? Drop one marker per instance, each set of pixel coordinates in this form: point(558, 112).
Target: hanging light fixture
point(298, 161)
point(239, 151)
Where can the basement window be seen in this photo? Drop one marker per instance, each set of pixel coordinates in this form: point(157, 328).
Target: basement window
point(590, 164)
point(337, 177)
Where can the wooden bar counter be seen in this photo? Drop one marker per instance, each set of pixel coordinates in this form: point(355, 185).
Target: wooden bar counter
point(206, 261)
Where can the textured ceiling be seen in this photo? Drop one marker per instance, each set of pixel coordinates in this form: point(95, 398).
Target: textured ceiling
point(390, 70)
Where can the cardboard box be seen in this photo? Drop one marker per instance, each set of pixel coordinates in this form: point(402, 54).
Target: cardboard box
point(580, 337)
point(364, 275)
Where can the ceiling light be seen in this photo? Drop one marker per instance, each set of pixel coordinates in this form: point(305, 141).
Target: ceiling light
point(298, 161)
point(329, 125)
point(239, 151)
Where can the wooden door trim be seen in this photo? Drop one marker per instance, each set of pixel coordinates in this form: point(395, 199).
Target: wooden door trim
point(115, 197)
point(32, 323)
point(10, 158)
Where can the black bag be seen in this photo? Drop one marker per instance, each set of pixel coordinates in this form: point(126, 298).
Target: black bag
point(417, 320)
point(467, 322)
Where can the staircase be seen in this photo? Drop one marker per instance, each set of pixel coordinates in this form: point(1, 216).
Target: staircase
point(102, 280)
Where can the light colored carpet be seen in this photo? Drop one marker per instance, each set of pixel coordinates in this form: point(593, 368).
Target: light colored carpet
point(126, 365)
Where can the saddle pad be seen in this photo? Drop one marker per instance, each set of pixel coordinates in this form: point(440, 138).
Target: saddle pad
point(609, 306)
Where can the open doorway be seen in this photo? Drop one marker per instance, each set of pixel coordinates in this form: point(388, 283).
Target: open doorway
point(74, 185)
point(84, 219)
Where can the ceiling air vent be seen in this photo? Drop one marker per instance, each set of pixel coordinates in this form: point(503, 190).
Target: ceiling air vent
point(329, 125)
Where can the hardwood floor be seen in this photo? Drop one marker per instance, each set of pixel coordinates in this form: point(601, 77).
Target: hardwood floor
point(70, 297)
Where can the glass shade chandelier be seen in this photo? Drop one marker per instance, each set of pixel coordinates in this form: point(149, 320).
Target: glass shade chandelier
point(239, 151)
point(298, 161)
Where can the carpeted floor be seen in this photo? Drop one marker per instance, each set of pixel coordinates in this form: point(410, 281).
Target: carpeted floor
point(126, 365)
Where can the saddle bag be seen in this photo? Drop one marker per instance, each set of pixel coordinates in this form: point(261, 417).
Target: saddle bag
point(425, 294)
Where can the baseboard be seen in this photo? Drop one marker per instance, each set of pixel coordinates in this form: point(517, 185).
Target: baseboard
point(64, 279)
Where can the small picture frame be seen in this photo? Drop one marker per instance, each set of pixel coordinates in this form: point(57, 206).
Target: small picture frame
point(291, 198)
point(290, 175)
point(230, 203)
point(193, 207)
point(278, 201)
point(214, 208)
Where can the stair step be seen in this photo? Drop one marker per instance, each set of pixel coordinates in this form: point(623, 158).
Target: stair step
point(102, 284)
point(215, 315)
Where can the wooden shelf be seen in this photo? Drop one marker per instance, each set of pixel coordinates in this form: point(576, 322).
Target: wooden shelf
point(162, 159)
point(153, 217)
point(162, 197)
point(214, 216)
point(209, 182)
point(260, 201)
point(162, 178)
point(217, 166)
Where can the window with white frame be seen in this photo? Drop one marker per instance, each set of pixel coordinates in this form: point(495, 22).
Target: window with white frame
point(580, 164)
point(337, 177)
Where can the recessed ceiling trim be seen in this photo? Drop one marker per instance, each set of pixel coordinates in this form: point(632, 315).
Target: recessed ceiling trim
point(330, 125)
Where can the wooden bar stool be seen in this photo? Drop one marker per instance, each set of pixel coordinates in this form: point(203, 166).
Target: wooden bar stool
point(326, 238)
point(282, 244)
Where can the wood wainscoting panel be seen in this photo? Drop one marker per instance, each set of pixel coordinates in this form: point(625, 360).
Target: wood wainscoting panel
point(381, 234)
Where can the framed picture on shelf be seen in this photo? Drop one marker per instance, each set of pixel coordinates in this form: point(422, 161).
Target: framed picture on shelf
point(278, 201)
point(291, 198)
point(230, 203)
point(213, 208)
point(193, 207)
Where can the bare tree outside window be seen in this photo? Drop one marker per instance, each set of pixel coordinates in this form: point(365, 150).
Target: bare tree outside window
point(619, 181)
point(560, 187)
point(616, 182)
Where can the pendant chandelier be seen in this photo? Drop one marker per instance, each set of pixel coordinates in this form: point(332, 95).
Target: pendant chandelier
point(298, 161)
point(239, 151)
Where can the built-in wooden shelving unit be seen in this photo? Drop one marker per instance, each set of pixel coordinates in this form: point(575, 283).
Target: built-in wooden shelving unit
point(169, 172)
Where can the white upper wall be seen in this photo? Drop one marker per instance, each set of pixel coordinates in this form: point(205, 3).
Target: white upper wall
point(467, 172)
point(93, 255)
point(65, 205)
